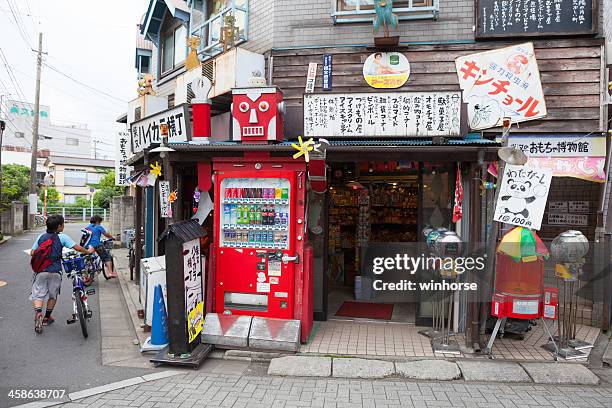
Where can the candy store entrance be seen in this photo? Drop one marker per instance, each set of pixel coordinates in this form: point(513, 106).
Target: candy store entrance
point(370, 205)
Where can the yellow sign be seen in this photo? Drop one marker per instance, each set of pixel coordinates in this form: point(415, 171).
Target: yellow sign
point(195, 321)
point(386, 70)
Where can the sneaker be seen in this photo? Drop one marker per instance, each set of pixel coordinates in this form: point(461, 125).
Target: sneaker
point(48, 320)
point(38, 323)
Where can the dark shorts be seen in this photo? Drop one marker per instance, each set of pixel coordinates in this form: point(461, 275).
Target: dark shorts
point(103, 253)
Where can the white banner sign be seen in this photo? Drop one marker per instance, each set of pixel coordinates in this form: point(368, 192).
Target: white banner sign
point(122, 170)
point(165, 208)
point(146, 131)
point(559, 145)
point(501, 83)
point(391, 114)
point(522, 196)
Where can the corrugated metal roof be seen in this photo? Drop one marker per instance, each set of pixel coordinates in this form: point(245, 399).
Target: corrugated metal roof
point(286, 145)
point(184, 231)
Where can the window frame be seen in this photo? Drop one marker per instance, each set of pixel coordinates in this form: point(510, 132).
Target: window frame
point(73, 141)
point(73, 171)
point(170, 30)
point(403, 13)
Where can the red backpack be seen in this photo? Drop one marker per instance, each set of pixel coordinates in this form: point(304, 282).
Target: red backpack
point(41, 256)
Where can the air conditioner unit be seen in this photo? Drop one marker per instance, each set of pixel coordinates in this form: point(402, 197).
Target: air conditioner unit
point(226, 71)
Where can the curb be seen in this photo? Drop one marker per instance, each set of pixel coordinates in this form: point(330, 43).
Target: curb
point(102, 389)
point(6, 239)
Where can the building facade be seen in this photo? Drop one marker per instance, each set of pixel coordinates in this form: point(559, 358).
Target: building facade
point(73, 176)
point(329, 42)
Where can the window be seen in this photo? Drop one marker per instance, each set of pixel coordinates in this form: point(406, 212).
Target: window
point(19, 135)
point(71, 198)
point(207, 19)
point(352, 11)
point(174, 48)
point(75, 177)
point(144, 64)
point(94, 178)
point(71, 141)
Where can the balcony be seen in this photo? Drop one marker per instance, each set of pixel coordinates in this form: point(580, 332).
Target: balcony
point(210, 30)
point(362, 11)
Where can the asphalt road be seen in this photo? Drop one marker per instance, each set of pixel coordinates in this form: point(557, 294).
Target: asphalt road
point(60, 357)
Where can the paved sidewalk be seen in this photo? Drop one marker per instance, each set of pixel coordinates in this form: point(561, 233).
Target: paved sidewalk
point(213, 390)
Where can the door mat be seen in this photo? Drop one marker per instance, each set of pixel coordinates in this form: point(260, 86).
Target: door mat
point(366, 310)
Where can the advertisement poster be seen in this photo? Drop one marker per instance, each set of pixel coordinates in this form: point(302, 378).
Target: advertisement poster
point(578, 156)
point(165, 209)
point(522, 196)
point(122, 170)
point(194, 297)
point(501, 83)
point(393, 114)
point(386, 70)
point(312, 77)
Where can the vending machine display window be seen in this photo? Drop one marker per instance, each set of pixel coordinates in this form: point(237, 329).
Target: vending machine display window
point(256, 213)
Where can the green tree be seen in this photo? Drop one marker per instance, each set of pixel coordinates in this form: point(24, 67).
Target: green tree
point(52, 196)
point(106, 190)
point(15, 183)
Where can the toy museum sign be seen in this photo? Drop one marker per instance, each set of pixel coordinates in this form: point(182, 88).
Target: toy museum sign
point(391, 114)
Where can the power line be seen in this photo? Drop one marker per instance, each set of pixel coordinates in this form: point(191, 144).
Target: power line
point(22, 32)
point(84, 84)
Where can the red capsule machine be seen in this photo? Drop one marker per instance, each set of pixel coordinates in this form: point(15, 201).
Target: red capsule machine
point(260, 238)
point(520, 293)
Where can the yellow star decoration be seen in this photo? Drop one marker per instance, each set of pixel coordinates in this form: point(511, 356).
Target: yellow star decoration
point(156, 169)
point(172, 197)
point(303, 148)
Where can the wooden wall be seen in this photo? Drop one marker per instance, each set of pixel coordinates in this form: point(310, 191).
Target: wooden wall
point(571, 73)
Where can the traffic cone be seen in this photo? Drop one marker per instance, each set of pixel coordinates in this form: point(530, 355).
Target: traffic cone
point(159, 328)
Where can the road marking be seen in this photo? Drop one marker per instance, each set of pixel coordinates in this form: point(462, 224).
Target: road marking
point(3, 283)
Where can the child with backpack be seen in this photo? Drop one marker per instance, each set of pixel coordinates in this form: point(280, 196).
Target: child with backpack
point(47, 266)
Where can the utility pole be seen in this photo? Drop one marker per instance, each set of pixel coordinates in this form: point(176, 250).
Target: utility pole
point(95, 146)
point(33, 161)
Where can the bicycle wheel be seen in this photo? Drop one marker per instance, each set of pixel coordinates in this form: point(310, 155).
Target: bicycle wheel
point(81, 311)
point(107, 274)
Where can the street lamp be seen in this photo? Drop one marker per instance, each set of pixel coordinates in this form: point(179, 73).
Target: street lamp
point(163, 148)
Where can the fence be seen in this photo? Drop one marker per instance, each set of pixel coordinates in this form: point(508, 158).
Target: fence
point(78, 213)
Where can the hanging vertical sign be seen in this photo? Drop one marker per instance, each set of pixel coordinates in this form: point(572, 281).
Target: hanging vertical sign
point(327, 72)
point(522, 196)
point(312, 77)
point(194, 299)
point(122, 170)
point(164, 199)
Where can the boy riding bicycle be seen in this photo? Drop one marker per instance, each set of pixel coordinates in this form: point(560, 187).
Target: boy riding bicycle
point(96, 230)
point(47, 283)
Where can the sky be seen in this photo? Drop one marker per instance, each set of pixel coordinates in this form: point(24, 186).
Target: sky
point(91, 42)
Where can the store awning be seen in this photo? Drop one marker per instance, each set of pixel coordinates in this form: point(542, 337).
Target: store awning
point(354, 150)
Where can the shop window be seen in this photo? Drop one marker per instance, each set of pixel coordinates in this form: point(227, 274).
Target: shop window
point(174, 48)
point(75, 177)
point(359, 11)
point(208, 18)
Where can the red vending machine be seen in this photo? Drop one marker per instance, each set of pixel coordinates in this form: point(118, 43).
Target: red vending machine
point(260, 235)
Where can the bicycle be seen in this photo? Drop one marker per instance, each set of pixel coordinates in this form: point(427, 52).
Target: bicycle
point(39, 220)
point(94, 264)
point(74, 265)
point(130, 235)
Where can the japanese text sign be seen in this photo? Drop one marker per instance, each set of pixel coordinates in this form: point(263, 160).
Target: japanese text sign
point(522, 196)
point(147, 131)
point(501, 83)
point(122, 170)
point(327, 72)
point(194, 292)
point(165, 208)
point(578, 156)
point(511, 18)
point(393, 114)
point(312, 77)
